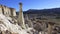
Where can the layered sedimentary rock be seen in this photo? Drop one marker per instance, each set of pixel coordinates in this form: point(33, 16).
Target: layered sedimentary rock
point(7, 11)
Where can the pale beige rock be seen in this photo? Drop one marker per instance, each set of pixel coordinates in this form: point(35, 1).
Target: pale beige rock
point(49, 29)
point(7, 11)
point(14, 33)
point(0, 9)
point(20, 17)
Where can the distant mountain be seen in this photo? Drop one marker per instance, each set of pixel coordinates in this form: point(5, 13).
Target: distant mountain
point(53, 11)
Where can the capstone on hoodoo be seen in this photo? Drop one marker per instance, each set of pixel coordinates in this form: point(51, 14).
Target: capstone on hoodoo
point(7, 11)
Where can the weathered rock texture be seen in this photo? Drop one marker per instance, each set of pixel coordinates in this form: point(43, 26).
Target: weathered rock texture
point(20, 17)
point(7, 11)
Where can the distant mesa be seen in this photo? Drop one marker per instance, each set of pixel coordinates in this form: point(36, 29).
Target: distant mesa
point(53, 11)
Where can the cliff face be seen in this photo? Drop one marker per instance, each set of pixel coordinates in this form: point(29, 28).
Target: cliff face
point(7, 11)
point(7, 25)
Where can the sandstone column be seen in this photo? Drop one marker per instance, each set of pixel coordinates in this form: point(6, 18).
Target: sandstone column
point(29, 21)
point(50, 24)
point(49, 29)
point(21, 18)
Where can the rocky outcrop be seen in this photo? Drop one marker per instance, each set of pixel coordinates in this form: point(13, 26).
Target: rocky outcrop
point(7, 11)
point(7, 27)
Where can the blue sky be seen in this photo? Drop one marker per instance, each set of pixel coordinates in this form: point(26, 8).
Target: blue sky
point(31, 4)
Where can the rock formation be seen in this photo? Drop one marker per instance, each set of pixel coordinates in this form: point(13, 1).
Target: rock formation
point(7, 11)
point(21, 17)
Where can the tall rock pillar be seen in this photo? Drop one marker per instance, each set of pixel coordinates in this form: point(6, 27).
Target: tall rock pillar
point(20, 17)
point(50, 24)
